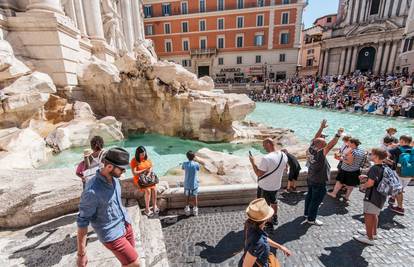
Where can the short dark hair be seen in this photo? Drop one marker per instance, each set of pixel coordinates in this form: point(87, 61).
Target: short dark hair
point(355, 141)
point(138, 151)
point(406, 138)
point(190, 155)
point(388, 140)
point(380, 153)
point(97, 142)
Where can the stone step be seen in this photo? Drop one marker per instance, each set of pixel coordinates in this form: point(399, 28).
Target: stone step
point(155, 253)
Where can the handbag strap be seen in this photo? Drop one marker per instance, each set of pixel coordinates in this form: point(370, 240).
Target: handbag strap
point(266, 175)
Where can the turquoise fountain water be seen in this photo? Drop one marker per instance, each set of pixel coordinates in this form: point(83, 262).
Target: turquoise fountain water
point(167, 152)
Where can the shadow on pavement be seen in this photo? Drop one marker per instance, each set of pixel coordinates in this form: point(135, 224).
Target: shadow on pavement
point(292, 199)
point(229, 246)
point(290, 231)
point(385, 220)
point(331, 206)
point(345, 255)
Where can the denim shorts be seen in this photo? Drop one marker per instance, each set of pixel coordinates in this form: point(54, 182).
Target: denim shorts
point(191, 192)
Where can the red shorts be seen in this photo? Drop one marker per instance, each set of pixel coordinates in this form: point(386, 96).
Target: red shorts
point(124, 247)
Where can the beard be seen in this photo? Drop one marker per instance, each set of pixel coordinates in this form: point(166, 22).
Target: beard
point(112, 173)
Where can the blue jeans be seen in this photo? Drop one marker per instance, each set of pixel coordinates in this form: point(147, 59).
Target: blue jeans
point(313, 199)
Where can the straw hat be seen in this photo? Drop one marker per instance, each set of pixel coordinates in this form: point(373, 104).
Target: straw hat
point(87, 152)
point(259, 211)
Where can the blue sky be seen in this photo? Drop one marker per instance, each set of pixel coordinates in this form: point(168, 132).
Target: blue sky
point(318, 8)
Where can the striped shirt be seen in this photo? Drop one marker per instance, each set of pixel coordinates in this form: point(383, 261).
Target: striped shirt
point(359, 158)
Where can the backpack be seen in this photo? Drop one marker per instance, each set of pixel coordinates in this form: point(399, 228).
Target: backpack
point(390, 184)
point(406, 162)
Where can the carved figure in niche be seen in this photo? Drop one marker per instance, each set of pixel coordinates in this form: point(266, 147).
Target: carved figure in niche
point(111, 25)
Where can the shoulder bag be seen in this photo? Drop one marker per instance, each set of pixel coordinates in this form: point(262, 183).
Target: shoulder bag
point(267, 174)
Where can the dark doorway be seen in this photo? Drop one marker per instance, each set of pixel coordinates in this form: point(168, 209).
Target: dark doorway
point(366, 58)
point(203, 71)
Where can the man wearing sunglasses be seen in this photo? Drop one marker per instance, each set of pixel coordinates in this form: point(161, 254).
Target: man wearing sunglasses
point(101, 206)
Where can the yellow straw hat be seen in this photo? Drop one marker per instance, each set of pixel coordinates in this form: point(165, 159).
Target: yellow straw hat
point(87, 152)
point(259, 211)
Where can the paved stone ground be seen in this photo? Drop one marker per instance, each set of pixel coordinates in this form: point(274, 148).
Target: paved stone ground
point(215, 237)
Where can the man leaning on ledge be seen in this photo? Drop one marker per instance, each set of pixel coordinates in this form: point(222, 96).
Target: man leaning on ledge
point(101, 205)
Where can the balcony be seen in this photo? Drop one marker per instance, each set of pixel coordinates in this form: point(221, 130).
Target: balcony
point(203, 52)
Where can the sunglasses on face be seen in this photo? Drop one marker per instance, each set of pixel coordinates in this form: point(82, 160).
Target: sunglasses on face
point(121, 169)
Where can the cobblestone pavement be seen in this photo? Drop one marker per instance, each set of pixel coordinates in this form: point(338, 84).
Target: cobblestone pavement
point(215, 237)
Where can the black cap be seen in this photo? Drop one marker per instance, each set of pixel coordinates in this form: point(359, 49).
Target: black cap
point(118, 157)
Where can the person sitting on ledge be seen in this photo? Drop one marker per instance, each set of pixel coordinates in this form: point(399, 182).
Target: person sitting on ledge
point(101, 206)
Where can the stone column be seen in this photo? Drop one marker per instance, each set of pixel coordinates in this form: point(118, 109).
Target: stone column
point(354, 59)
point(93, 19)
point(325, 62)
point(378, 58)
point(349, 13)
point(128, 28)
point(385, 57)
point(342, 61)
point(403, 8)
point(362, 10)
point(394, 8)
point(80, 16)
point(45, 5)
point(298, 26)
point(348, 60)
point(321, 61)
point(393, 56)
point(137, 19)
point(355, 11)
point(387, 8)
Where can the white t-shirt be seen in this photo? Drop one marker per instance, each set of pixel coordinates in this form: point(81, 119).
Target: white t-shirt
point(269, 162)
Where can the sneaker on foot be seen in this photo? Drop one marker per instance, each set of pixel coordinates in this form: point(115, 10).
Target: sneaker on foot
point(315, 222)
point(187, 210)
point(398, 210)
point(195, 211)
point(364, 239)
point(364, 233)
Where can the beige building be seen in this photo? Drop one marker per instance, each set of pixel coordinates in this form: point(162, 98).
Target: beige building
point(407, 54)
point(367, 37)
point(311, 42)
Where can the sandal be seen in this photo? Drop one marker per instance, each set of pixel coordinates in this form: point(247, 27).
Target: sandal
point(148, 213)
point(157, 210)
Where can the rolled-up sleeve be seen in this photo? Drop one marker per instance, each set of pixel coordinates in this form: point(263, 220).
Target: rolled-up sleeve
point(87, 208)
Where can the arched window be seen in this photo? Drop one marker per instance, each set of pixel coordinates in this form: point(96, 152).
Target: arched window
point(374, 7)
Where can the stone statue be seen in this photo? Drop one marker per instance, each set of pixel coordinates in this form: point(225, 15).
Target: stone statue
point(111, 25)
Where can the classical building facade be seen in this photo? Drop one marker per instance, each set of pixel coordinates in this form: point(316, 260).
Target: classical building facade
point(56, 35)
point(407, 54)
point(227, 39)
point(367, 37)
point(310, 50)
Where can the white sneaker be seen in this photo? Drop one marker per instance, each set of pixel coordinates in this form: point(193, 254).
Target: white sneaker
point(364, 239)
point(195, 211)
point(187, 210)
point(364, 233)
point(315, 222)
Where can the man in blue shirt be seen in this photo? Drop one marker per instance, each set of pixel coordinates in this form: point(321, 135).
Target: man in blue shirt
point(191, 183)
point(101, 206)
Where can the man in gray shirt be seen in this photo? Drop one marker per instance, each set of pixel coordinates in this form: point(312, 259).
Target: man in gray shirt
point(318, 172)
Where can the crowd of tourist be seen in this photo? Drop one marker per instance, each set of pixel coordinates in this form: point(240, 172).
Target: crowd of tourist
point(391, 95)
point(380, 174)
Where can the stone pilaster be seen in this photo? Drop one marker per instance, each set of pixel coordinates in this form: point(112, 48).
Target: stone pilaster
point(385, 57)
point(326, 62)
point(378, 58)
point(80, 16)
point(137, 19)
point(321, 60)
point(393, 56)
point(362, 10)
point(354, 59)
point(349, 13)
point(342, 61)
point(355, 11)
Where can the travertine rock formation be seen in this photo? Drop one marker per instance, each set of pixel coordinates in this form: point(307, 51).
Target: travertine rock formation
point(163, 105)
point(21, 149)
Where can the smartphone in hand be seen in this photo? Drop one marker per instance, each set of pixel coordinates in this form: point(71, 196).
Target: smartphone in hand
point(250, 154)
